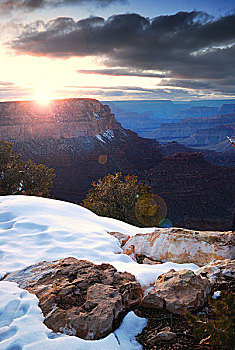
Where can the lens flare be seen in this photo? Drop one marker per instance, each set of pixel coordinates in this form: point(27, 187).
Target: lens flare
point(150, 210)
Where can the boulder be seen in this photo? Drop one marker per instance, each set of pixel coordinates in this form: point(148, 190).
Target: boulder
point(218, 272)
point(178, 292)
point(122, 238)
point(78, 297)
point(181, 245)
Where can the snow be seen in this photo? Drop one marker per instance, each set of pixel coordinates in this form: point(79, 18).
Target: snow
point(99, 137)
point(216, 294)
point(108, 134)
point(22, 327)
point(34, 229)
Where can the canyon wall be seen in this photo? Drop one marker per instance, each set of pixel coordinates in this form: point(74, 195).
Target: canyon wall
point(59, 119)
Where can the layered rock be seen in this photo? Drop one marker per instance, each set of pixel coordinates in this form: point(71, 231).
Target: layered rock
point(210, 138)
point(59, 119)
point(180, 245)
point(178, 292)
point(195, 132)
point(78, 297)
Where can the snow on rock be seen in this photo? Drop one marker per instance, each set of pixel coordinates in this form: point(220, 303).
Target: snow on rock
point(99, 137)
point(78, 297)
point(22, 327)
point(33, 229)
point(181, 245)
point(218, 272)
point(109, 134)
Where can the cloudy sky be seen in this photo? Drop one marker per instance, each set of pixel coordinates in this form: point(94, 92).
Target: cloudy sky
point(117, 49)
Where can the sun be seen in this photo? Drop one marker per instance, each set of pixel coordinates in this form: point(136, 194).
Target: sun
point(43, 100)
point(42, 97)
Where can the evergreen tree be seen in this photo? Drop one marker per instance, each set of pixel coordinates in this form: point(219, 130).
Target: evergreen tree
point(22, 177)
point(124, 200)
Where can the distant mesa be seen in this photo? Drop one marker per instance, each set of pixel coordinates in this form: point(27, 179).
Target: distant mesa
point(60, 118)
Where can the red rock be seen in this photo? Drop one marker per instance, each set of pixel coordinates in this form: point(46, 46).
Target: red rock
point(78, 297)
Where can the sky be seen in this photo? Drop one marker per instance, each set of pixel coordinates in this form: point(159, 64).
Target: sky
point(117, 49)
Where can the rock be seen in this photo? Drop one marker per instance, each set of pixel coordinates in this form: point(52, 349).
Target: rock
point(65, 118)
point(166, 335)
point(130, 250)
point(151, 299)
point(78, 138)
point(78, 297)
point(184, 128)
point(150, 262)
point(122, 238)
point(218, 272)
point(182, 245)
point(178, 292)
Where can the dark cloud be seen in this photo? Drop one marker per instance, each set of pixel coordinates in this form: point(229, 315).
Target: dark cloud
point(123, 72)
point(31, 5)
point(186, 45)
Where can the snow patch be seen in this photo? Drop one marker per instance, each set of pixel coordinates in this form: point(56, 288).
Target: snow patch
point(22, 327)
point(108, 134)
point(33, 229)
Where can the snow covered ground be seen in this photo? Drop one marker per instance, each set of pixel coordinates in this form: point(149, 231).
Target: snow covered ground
point(33, 229)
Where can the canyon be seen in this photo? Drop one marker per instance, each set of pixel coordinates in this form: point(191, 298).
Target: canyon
point(196, 131)
point(82, 140)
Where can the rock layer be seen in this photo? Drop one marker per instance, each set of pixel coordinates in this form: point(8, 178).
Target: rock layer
point(59, 119)
point(78, 297)
point(180, 245)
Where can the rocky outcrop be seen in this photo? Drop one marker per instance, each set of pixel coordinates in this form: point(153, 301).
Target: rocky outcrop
point(59, 119)
point(133, 120)
point(179, 292)
point(78, 297)
point(218, 272)
point(227, 108)
point(198, 112)
point(180, 245)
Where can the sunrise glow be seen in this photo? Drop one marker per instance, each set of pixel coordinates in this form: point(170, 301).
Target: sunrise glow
point(42, 97)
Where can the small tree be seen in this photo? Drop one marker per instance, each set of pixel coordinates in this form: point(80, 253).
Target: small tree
point(22, 177)
point(126, 200)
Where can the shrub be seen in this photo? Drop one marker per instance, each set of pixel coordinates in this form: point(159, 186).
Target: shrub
point(22, 177)
point(217, 329)
point(124, 200)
